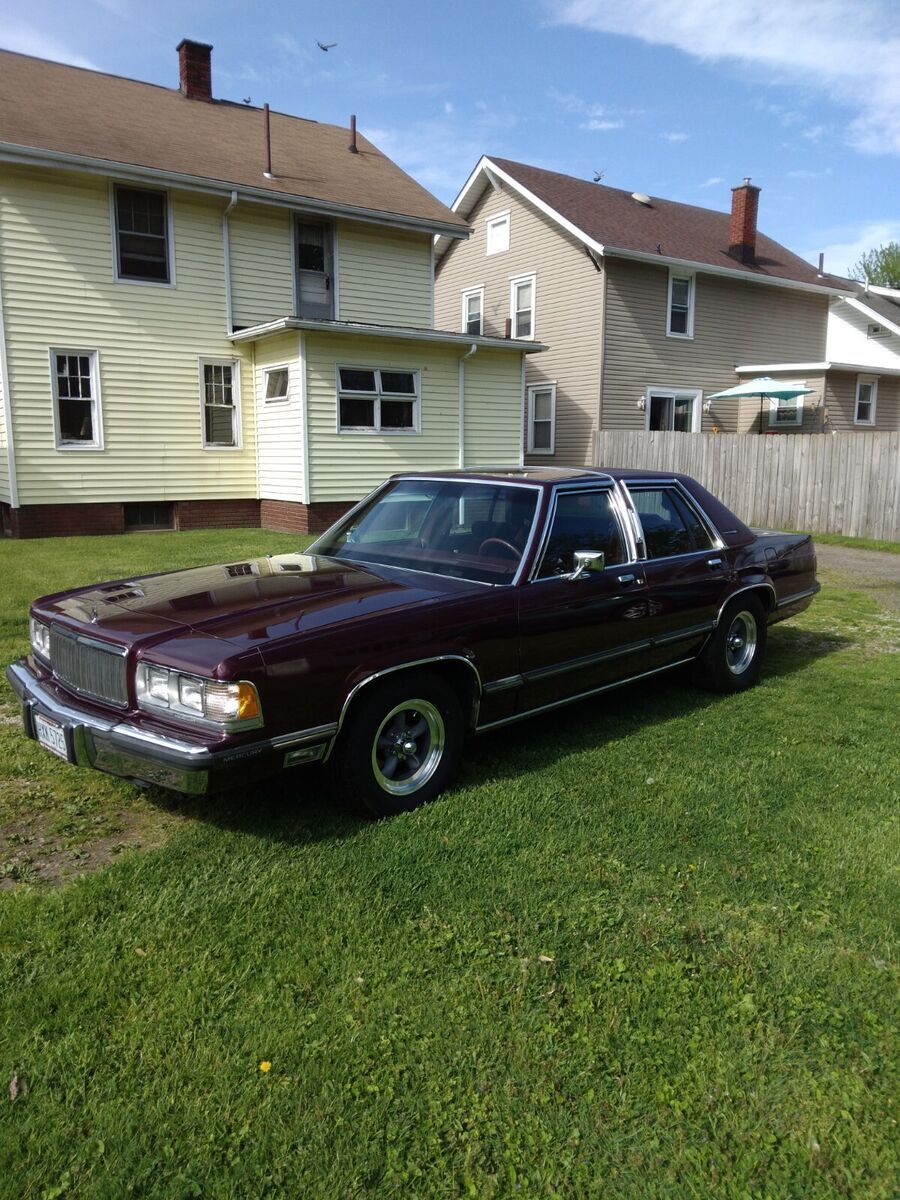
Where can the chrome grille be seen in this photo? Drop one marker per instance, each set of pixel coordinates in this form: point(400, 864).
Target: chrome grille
point(92, 668)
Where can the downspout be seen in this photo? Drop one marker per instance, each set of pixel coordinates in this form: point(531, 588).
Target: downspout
point(226, 258)
point(7, 409)
point(462, 402)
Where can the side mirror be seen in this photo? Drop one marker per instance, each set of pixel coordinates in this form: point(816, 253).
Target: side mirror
point(586, 563)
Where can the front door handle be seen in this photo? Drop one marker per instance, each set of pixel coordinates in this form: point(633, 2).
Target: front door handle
point(626, 578)
point(712, 563)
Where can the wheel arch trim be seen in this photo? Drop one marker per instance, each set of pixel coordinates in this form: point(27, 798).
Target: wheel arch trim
point(752, 587)
point(375, 676)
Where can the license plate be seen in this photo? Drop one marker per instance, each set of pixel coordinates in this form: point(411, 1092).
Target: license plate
point(51, 736)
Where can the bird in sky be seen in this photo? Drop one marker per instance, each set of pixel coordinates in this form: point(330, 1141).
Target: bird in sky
point(326, 46)
point(598, 175)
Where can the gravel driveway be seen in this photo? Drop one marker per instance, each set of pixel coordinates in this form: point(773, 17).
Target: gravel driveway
point(871, 571)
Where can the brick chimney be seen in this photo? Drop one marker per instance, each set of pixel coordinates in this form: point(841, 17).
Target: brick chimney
point(195, 69)
point(742, 232)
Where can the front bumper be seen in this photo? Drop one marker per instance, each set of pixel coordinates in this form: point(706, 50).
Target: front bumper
point(120, 747)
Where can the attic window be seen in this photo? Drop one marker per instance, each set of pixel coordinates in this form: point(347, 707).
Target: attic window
point(876, 331)
point(497, 237)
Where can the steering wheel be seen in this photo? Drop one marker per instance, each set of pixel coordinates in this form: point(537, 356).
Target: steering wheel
point(495, 541)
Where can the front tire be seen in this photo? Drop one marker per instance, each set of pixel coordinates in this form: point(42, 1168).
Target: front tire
point(733, 657)
point(400, 744)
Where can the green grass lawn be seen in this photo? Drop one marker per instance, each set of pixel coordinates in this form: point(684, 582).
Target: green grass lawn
point(645, 947)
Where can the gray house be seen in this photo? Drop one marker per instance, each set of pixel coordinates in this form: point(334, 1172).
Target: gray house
point(647, 306)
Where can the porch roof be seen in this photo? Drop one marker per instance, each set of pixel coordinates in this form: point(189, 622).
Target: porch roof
point(397, 332)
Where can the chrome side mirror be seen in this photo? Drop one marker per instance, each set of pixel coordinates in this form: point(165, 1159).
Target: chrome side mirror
point(586, 563)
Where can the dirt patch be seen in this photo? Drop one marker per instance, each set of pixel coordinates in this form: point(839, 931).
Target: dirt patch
point(31, 852)
point(871, 571)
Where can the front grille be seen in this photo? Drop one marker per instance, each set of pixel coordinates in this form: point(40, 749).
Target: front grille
point(92, 668)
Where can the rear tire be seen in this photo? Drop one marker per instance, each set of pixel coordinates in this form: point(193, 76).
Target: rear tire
point(400, 744)
point(733, 657)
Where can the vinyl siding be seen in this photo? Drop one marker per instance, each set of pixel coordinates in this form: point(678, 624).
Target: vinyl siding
point(280, 422)
point(568, 311)
point(840, 400)
point(345, 466)
point(384, 276)
point(849, 342)
point(734, 323)
point(261, 264)
point(493, 409)
point(56, 259)
point(4, 444)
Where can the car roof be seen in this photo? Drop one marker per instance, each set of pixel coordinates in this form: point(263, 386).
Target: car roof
point(547, 476)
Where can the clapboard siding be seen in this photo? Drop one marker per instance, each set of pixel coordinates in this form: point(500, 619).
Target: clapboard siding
point(4, 443)
point(568, 310)
point(840, 400)
point(259, 242)
point(384, 276)
point(56, 259)
point(344, 466)
point(734, 323)
point(846, 483)
point(493, 409)
point(280, 422)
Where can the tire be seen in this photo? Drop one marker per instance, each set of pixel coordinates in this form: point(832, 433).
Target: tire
point(733, 657)
point(400, 744)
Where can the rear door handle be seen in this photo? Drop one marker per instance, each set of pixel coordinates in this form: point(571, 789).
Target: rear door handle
point(626, 578)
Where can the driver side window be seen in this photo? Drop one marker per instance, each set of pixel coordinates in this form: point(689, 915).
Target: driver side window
point(582, 521)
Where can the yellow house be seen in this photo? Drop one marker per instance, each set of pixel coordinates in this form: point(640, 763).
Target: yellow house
point(211, 314)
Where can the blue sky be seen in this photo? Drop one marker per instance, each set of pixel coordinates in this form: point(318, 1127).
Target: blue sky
point(678, 98)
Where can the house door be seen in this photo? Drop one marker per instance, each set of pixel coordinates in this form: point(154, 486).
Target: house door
point(315, 291)
point(673, 410)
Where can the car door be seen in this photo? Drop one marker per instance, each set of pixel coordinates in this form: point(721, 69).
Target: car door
point(578, 634)
point(687, 568)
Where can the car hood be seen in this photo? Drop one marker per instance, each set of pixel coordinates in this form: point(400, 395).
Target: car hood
point(248, 602)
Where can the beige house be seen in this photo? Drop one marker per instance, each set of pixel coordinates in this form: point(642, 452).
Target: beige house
point(647, 306)
point(215, 315)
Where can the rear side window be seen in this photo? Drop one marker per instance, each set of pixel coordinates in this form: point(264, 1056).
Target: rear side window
point(671, 525)
point(581, 521)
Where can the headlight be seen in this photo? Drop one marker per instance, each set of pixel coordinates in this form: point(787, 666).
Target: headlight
point(228, 705)
point(40, 637)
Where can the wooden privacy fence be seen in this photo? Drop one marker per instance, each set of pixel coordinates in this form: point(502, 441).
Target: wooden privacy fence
point(845, 483)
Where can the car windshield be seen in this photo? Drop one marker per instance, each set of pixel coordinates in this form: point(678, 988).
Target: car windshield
point(467, 530)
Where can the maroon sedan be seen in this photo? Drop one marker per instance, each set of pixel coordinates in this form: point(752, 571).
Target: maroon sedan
point(441, 605)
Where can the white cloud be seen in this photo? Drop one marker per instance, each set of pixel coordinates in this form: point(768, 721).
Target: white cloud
point(596, 126)
point(803, 173)
point(843, 246)
point(712, 181)
point(847, 48)
point(448, 107)
point(26, 40)
point(675, 137)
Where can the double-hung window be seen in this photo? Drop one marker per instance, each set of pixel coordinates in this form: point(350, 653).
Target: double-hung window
point(786, 411)
point(220, 390)
point(680, 316)
point(521, 306)
point(542, 418)
point(866, 398)
point(473, 311)
point(143, 252)
point(75, 377)
point(377, 400)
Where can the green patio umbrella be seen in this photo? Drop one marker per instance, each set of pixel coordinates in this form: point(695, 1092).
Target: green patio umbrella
point(765, 388)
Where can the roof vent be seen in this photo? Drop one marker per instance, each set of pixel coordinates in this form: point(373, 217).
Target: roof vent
point(641, 198)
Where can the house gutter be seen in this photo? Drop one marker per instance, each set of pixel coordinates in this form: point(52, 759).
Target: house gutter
point(397, 332)
point(226, 258)
point(473, 349)
point(663, 260)
point(31, 156)
point(7, 409)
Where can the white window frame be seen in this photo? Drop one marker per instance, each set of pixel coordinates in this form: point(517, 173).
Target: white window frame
point(516, 281)
point(170, 234)
point(376, 398)
point(96, 443)
point(237, 418)
point(493, 223)
point(862, 380)
point(775, 407)
point(692, 279)
point(533, 389)
point(668, 390)
point(267, 371)
point(467, 294)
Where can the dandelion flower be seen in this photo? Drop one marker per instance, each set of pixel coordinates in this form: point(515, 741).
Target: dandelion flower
point(265, 1067)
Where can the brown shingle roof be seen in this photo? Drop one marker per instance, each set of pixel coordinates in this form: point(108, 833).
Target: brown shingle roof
point(613, 218)
point(70, 110)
